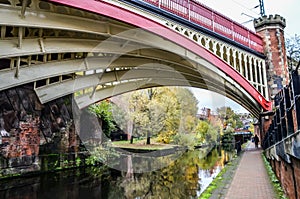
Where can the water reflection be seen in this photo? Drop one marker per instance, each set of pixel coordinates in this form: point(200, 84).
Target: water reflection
point(185, 177)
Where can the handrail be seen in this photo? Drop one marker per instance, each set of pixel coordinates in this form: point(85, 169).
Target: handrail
point(285, 121)
point(200, 14)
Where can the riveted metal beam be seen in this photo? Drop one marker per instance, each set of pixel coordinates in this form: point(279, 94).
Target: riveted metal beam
point(123, 47)
point(50, 92)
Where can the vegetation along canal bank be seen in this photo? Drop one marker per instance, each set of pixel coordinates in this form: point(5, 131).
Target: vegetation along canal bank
point(187, 176)
point(144, 133)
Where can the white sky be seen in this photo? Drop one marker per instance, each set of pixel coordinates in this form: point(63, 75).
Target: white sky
point(233, 9)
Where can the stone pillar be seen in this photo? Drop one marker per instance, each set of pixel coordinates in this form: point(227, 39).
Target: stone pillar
point(271, 29)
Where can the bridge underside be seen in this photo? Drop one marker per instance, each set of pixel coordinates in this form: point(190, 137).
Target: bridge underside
point(62, 50)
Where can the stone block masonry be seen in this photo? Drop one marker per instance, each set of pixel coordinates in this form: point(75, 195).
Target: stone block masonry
point(31, 131)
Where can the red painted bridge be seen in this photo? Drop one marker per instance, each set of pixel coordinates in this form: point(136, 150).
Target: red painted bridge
point(98, 49)
point(55, 51)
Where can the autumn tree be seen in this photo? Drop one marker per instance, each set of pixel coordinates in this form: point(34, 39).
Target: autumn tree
point(164, 111)
point(231, 121)
point(160, 111)
point(206, 133)
point(229, 117)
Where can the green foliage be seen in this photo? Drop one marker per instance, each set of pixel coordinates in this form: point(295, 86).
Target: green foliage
point(146, 114)
point(78, 161)
point(275, 182)
point(103, 111)
point(206, 133)
point(227, 138)
point(162, 112)
point(213, 185)
point(101, 154)
point(201, 131)
point(187, 140)
point(229, 117)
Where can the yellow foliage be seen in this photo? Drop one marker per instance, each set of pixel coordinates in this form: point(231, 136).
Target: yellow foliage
point(166, 137)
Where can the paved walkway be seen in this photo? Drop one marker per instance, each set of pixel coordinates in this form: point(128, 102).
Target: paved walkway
point(251, 180)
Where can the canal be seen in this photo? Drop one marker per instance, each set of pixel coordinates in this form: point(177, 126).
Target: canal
point(186, 177)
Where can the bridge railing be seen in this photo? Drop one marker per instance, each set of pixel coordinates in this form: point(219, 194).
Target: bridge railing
point(286, 119)
point(202, 15)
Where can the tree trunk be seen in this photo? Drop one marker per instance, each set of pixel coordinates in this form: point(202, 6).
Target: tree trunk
point(148, 139)
point(131, 139)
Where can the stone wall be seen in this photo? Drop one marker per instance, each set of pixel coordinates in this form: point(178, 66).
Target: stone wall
point(36, 137)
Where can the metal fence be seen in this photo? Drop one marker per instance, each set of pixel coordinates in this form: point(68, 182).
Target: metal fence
point(204, 16)
point(286, 120)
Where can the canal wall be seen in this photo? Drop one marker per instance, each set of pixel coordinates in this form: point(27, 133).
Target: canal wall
point(37, 137)
point(288, 173)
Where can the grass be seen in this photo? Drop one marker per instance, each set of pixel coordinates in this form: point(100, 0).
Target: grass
point(213, 185)
point(275, 182)
point(141, 144)
point(218, 185)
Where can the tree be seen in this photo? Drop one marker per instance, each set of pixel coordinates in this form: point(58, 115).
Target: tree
point(201, 131)
point(206, 133)
point(230, 122)
point(293, 50)
point(229, 117)
point(163, 111)
point(293, 53)
point(140, 113)
point(103, 111)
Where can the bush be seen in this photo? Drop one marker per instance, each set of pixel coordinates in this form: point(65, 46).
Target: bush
point(187, 140)
point(166, 137)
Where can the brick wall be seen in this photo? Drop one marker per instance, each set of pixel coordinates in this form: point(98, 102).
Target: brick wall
point(289, 175)
point(271, 29)
point(296, 167)
point(286, 179)
point(32, 131)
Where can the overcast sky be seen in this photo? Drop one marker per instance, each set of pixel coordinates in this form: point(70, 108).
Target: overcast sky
point(233, 9)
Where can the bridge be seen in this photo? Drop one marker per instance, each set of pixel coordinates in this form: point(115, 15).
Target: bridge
point(55, 50)
point(97, 49)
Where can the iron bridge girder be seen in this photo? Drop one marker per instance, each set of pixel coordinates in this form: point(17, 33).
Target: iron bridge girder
point(184, 65)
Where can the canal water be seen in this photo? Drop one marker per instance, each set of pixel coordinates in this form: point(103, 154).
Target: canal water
point(186, 177)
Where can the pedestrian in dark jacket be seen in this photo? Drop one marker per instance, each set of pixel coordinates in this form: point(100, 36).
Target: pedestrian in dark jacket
point(256, 140)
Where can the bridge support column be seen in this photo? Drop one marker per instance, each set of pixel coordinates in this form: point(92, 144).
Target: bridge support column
point(271, 29)
point(36, 137)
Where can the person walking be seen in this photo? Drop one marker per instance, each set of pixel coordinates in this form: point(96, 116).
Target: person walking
point(256, 140)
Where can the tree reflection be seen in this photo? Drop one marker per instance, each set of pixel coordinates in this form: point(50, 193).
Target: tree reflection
point(178, 180)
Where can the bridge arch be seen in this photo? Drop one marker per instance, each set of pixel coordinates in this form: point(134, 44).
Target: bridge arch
point(69, 38)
